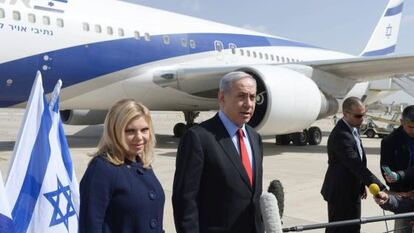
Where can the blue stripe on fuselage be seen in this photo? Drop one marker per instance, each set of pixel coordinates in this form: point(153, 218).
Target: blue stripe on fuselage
point(81, 63)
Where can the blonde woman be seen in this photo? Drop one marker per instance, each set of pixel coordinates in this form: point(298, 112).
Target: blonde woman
point(119, 190)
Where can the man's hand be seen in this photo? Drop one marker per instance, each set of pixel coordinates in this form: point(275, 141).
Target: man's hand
point(391, 177)
point(381, 198)
point(365, 194)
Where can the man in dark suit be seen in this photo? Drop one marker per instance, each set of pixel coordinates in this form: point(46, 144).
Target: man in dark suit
point(218, 177)
point(347, 177)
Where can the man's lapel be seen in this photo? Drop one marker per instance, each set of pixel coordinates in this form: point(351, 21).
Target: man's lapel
point(226, 143)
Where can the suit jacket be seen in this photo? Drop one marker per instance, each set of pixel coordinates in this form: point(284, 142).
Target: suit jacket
point(211, 190)
point(347, 174)
point(120, 199)
point(395, 154)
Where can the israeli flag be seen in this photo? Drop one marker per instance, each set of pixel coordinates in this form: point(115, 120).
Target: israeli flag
point(41, 187)
point(6, 223)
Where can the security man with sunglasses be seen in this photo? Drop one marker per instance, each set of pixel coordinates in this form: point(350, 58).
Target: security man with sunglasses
point(347, 177)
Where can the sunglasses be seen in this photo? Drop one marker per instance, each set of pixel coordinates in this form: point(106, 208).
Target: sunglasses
point(358, 116)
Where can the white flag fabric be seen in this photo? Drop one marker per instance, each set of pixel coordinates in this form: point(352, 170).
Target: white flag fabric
point(41, 187)
point(6, 223)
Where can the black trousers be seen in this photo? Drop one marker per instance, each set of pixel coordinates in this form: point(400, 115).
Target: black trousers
point(344, 210)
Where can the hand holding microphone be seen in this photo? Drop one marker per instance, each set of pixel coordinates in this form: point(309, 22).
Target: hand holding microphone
point(379, 197)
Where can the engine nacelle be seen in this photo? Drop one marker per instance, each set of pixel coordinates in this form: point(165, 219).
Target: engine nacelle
point(287, 101)
point(83, 117)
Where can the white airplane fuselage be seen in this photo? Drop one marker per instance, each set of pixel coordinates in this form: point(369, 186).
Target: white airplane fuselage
point(106, 50)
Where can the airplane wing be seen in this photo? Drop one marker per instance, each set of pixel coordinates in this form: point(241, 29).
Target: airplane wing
point(367, 68)
point(333, 77)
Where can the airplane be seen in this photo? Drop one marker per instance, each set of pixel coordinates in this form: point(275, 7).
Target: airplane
point(107, 50)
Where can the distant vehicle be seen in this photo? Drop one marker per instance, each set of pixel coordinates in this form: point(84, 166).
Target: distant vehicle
point(370, 129)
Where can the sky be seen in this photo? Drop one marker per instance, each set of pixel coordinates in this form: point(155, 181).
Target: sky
point(333, 24)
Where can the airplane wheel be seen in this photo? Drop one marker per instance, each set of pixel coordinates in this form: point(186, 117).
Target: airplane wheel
point(314, 136)
point(179, 130)
point(282, 139)
point(370, 133)
point(300, 138)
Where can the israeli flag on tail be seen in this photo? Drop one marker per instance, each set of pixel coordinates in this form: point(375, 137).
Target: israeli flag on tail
point(6, 223)
point(384, 39)
point(41, 187)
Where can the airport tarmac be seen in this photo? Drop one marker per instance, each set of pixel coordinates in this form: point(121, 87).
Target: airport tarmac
point(301, 169)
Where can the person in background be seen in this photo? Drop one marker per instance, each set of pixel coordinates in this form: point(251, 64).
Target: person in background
point(397, 157)
point(218, 177)
point(119, 191)
point(347, 177)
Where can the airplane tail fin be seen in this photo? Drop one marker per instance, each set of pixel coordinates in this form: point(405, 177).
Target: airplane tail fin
point(384, 39)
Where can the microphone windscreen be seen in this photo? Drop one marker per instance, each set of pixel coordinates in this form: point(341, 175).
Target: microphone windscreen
point(276, 188)
point(374, 189)
point(270, 213)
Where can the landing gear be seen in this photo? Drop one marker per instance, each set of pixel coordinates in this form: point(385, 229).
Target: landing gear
point(314, 135)
point(311, 136)
point(181, 128)
point(300, 138)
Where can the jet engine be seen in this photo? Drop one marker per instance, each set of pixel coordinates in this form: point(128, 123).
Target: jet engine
point(287, 101)
point(83, 117)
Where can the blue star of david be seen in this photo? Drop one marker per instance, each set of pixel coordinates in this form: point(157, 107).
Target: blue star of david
point(54, 198)
point(388, 30)
point(51, 4)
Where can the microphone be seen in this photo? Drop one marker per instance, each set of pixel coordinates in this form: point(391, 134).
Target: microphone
point(276, 188)
point(270, 213)
point(374, 189)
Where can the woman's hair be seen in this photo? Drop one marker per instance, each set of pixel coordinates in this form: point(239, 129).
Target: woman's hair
point(112, 145)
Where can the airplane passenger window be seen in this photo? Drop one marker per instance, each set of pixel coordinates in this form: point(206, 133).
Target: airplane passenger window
point(266, 56)
point(46, 20)
point(166, 39)
point(59, 22)
point(16, 15)
point(248, 53)
point(137, 36)
point(242, 52)
point(85, 27)
point(98, 28)
point(32, 18)
point(287, 59)
point(283, 59)
point(192, 44)
point(2, 13)
point(254, 54)
point(109, 30)
point(147, 36)
point(121, 32)
point(184, 42)
point(260, 55)
point(233, 48)
point(272, 57)
point(277, 58)
point(218, 45)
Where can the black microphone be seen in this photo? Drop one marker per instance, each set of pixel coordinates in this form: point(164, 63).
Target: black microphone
point(276, 188)
point(270, 213)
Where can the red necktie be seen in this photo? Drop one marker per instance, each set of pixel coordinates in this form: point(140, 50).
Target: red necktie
point(245, 156)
